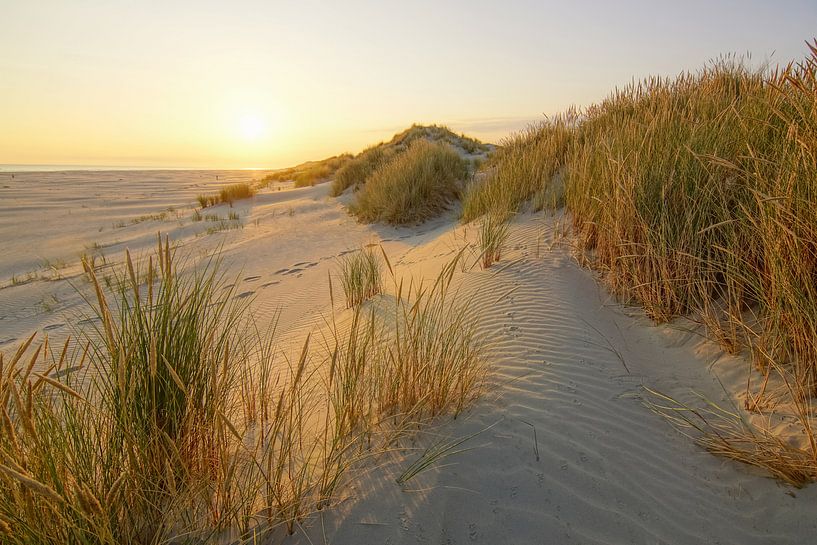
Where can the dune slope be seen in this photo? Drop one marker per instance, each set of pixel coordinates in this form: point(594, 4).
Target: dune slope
point(572, 455)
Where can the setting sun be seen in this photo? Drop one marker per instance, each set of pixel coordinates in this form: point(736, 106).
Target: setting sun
point(252, 127)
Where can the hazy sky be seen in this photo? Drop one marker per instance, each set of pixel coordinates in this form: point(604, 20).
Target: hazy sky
point(269, 84)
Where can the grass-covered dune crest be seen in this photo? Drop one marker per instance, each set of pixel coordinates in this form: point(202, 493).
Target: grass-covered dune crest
point(308, 173)
point(415, 185)
point(357, 170)
point(694, 196)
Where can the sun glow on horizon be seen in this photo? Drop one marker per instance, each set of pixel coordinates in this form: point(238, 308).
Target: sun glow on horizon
point(279, 84)
point(252, 127)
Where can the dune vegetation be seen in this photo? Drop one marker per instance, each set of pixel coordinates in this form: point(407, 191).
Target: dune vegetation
point(172, 419)
point(414, 186)
point(361, 275)
point(695, 196)
point(227, 194)
point(309, 173)
point(357, 171)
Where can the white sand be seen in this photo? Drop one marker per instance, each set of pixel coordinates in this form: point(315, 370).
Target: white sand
point(609, 470)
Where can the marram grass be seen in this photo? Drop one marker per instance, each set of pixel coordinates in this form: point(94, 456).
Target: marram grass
point(414, 186)
point(361, 275)
point(177, 419)
point(228, 194)
point(695, 196)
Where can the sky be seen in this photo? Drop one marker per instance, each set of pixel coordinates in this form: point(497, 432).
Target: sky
point(268, 84)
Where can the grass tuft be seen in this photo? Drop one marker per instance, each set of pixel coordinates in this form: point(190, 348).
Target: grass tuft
point(309, 173)
point(361, 275)
point(414, 186)
point(493, 234)
point(228, 194)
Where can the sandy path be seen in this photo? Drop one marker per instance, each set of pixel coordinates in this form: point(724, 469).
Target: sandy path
point(609, 470)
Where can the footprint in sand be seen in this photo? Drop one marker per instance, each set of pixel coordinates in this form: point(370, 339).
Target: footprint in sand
point(281, 271)
point(53, 327)
point(243, 295)
point(9, 340)
point(251, 278)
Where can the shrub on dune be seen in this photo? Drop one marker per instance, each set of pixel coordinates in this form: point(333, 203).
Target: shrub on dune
point(414, 186)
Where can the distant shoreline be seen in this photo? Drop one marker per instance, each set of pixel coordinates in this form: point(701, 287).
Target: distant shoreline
point(15, 168)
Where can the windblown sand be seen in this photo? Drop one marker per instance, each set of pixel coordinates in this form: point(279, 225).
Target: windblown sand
point(566, 450)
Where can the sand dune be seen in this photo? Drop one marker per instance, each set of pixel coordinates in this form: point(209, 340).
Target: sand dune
point(566, 451)
point(603, 468)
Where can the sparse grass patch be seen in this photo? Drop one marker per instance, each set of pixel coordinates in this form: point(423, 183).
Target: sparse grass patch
point(227, 194)
point(223, 225)
point(416, 185)
point(493, 234)
point(309, 173)
point(414, 357)
point(361, 275)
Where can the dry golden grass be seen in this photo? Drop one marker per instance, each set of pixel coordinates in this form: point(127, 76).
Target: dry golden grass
point(178, 419)
point(309, 173)
point(414, 186)
point(228, 194)
point(695, 196)
point(361, 275)
point(493, 234)
point(356, 172)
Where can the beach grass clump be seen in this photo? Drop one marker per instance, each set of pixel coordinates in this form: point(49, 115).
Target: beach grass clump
point(176, 417)
point(493, 234)
point(414, 186)
point(435, 360)
point(361, 275)
point(228, 194)
point(522, 167)
point(411, 358)
point(694, 196)
point(356, 171)
point(235, 192)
